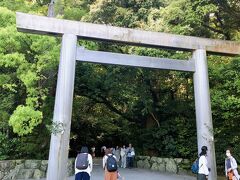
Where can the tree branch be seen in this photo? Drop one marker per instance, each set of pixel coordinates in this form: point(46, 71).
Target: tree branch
point(158, 124)
point(103, 100)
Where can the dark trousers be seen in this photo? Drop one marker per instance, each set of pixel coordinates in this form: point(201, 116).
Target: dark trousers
point(129, 162)
point(201, 177)
point(82, 176)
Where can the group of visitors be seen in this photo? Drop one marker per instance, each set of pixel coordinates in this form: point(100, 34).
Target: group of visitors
point(231, 171)
point(124, 155)
point(113, 156)
point(112, 159)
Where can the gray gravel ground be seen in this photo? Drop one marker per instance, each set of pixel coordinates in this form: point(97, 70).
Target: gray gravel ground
point(137, 174)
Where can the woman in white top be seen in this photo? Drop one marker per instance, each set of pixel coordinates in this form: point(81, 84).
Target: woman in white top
point(84, 174)
point(231, 166)
point(123, 156)
point(203, 168)
point(130, 156)
point(117, 153)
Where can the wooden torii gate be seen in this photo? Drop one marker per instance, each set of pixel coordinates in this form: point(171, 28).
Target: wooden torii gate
point(70, 52)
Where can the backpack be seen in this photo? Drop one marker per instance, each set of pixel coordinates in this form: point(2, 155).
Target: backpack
point(195, 166)
point(82, 161)
point(111, 163)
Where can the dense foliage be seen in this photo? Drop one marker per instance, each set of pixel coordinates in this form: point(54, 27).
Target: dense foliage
point(114, 105)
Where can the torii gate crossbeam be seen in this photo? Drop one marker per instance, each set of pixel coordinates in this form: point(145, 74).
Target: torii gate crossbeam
point(135, 61)
point(70, 52)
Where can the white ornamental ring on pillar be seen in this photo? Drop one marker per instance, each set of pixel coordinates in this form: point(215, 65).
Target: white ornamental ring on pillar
point(57, 127)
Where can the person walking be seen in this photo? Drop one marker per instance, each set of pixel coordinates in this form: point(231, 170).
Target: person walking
point(103, 149)
point(93, 151)
point(113, 150)
point(231, 171)
point(117, 153)
point(83, 165)
point(123, 157)
point(130, 156)
point(203, 164)
point(110, 165)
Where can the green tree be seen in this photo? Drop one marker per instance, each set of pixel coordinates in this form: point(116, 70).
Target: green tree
point(27, 63)
point(151, 108)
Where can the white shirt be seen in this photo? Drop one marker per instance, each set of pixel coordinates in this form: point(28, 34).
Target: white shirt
point(89, 169)
point(203, 168)
point(105, 159)
point(123, 152)
point(233, 166)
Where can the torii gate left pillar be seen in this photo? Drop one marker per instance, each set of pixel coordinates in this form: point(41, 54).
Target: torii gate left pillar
point(58, 154)
point(57, 168)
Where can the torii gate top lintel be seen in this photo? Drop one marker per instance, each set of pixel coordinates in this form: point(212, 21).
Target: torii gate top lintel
point(46, 25)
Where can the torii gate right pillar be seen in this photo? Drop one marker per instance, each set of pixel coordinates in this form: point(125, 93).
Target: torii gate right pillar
point(203, 109)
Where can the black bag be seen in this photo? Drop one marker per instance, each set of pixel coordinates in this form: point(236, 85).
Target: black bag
point(82, 161)
point(111, 163)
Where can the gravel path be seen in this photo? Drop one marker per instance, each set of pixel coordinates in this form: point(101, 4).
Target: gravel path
point(137, 174)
